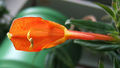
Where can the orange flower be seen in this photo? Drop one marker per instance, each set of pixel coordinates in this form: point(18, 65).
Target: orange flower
point(34, 34)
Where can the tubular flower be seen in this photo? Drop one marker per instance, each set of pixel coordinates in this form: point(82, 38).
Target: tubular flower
point(33, 34)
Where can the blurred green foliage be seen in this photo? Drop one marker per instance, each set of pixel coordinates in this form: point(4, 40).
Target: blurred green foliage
point(3, 11)
point(109, 48)
point(4, 26)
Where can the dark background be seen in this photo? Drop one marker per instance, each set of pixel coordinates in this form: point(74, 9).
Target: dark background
point(107, 2)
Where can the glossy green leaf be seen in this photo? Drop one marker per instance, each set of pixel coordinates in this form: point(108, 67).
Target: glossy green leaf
point(108, 10)
point(101, 65)
point(96, 27)
point(98, 45)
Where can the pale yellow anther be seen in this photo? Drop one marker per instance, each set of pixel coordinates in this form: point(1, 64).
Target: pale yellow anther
point(9, 35)
point(31, 43)
point(28, 35)
point(31, 40)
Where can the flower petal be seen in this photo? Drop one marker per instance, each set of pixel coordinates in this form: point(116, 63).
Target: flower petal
point(35, 34)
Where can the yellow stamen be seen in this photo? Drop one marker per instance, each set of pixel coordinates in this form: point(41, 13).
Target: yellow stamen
point(28, 35)
point(31, 43)
point(31, 40)
point(9, 35)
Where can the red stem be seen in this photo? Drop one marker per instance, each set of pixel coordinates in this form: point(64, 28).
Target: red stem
point(88, 36)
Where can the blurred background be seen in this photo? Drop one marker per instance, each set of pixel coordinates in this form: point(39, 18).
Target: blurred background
point(54, 10)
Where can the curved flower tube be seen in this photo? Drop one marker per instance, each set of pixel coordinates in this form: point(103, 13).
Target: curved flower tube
point(33, 34)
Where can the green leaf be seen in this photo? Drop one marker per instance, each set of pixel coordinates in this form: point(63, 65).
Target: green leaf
point(96, 27)
point(114, 54)
point(98, 45)
point(63, 55)
point(67, 55)
point(49, 60)
point(108, 10)
point(101, 65)
point(116, 63)
point(115, 5)
point(16, 64)
point(118, 3)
